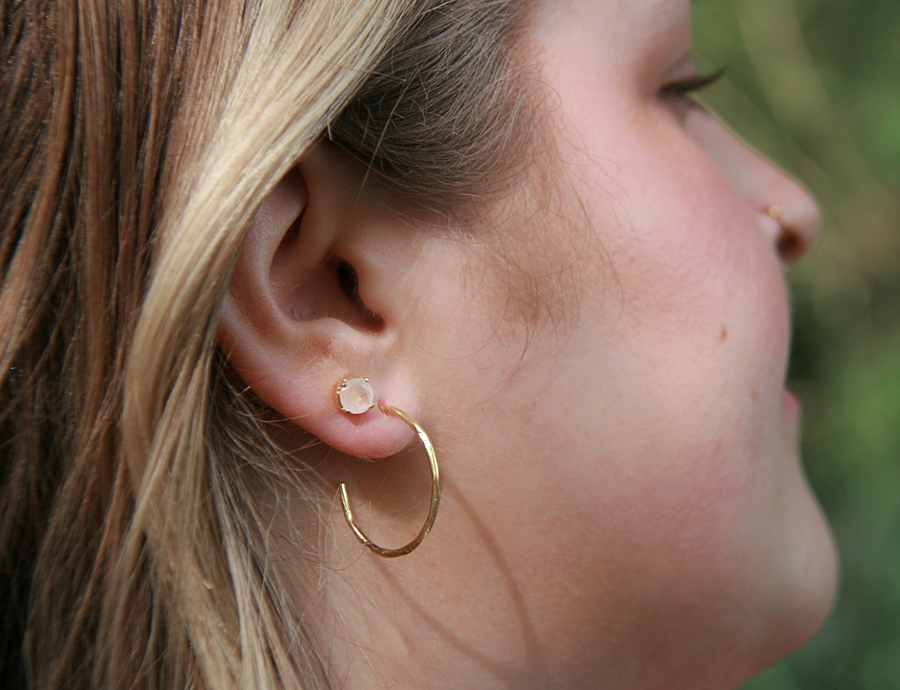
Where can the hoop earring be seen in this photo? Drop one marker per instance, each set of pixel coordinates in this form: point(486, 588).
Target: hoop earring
point(435, 486)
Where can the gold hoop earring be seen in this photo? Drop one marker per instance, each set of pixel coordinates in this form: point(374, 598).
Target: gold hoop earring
point(435, 486)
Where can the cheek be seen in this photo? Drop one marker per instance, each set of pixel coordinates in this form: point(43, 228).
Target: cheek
point(702, 286)
point(686, 370)
point(706, 326)
point(679, 514)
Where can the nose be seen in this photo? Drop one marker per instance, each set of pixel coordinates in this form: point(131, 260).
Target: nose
point(789, 213)
point(786, 211)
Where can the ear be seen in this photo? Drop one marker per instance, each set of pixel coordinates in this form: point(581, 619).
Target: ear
point(314, 299)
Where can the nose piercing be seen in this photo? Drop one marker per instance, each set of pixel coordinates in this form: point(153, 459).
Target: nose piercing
point(776, 213)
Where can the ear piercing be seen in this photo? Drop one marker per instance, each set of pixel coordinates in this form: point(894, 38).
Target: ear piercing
point(356, 396)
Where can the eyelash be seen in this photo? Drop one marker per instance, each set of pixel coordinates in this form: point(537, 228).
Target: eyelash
point(683, 88)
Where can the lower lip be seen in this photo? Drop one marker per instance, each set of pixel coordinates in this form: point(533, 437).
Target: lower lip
point(791, 405)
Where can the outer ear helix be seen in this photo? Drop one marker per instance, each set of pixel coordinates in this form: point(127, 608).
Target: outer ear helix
point(356, 396)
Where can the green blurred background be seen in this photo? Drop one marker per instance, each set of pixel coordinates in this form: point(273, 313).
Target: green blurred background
point(815, 85)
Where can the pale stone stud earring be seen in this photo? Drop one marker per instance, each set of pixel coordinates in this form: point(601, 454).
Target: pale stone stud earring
point(356, 396)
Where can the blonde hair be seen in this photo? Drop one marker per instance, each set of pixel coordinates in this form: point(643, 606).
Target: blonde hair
point(136, 142)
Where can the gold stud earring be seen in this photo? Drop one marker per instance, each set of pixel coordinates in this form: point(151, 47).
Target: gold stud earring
point(356, 396)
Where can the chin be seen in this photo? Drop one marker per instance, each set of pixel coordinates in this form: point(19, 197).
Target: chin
point(807, 596)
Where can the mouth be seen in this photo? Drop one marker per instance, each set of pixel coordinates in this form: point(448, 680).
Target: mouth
point(791, 405)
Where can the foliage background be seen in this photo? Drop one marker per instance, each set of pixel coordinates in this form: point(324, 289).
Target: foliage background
point(815, 85)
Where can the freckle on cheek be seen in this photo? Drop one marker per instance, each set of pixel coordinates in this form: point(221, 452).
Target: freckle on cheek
point(723, 336)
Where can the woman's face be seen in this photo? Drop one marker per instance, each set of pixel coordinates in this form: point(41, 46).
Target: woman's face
point(624, 502)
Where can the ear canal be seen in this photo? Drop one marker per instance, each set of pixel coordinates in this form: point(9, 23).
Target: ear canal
point(330, 290)
point(348, 279)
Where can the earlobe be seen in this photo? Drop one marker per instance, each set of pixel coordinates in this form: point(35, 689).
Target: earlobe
point(293, 324)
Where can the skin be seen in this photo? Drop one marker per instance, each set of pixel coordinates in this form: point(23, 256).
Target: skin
point(624, 505)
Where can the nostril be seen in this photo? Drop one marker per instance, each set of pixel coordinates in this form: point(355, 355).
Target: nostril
point(790, 247)
point(790, 243)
